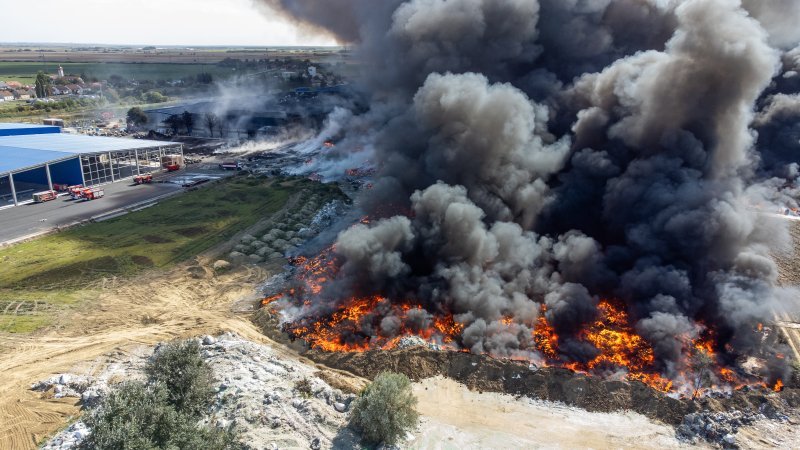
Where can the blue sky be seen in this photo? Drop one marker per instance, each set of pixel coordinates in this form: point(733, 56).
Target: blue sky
point(150, 22)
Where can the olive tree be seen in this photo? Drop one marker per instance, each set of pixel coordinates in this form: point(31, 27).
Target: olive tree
point(386, 409)
point(139, 416)
point(180, 367)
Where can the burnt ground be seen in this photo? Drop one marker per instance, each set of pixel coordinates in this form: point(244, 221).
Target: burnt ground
point(486, 374)
point(714, 418)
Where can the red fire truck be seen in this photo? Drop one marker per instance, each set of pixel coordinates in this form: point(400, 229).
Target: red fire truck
point(92, 193)
point(46, 196)
point(143, 179)
point(75, 191)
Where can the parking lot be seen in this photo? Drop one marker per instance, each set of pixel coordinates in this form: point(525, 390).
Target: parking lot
point(31, 219)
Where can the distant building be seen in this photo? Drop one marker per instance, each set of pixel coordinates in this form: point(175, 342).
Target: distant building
point(23, 95)
point(312, 71)
point(54, 122)
point(6, 96)
point(36, 157)
point(60, 72)
point(75, 89)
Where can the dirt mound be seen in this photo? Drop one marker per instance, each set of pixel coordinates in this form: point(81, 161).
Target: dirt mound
point(144, 310)
point(594, 394)
point(483, 373)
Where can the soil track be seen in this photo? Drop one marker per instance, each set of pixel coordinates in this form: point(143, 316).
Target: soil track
point(788, 319)
point(154, 307)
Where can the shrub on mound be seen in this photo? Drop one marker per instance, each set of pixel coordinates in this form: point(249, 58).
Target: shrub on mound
point(180, 367)
point(163, 413)
point(139, 416)
point(386, 410)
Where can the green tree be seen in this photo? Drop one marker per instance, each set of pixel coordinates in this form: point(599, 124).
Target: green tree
point(212, 121)
point(205, 78)
point(43, 85)
point(162, 413)
point(700, 365)
point(386, 409)
point(174, 122)
point(139, 416)
point(154, 97)
point(136, 117)
point(188, 122)
point(180, 367)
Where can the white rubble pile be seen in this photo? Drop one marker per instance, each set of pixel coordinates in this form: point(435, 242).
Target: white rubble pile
point(69, 438)
point(257, 397)
point(65, 385)
point(416, 341)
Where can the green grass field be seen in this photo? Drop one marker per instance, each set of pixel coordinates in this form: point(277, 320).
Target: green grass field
point(25, 72)
point(46, 275)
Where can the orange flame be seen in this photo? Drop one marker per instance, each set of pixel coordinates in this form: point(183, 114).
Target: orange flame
point(617, 344)
point(354, 325)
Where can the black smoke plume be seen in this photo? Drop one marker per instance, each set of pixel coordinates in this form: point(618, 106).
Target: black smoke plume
point(552, 153)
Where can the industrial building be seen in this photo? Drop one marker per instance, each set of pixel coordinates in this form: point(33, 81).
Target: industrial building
point(34, 158)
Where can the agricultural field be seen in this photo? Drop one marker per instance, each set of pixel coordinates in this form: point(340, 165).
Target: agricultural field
point(40, 278)
point(25, 72)
point(174, 55)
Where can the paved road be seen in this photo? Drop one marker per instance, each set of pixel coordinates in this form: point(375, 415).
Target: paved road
point(25, 220)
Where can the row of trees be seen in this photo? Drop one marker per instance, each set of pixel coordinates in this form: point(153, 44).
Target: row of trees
point(186, 121)
point(177, 122)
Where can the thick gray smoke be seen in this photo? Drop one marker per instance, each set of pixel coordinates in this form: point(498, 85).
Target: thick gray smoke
point(552, 153)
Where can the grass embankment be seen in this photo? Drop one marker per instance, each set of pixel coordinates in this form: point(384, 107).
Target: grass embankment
point(39, 278)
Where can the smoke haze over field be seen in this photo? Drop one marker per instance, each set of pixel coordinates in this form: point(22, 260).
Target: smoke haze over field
point(553, 153)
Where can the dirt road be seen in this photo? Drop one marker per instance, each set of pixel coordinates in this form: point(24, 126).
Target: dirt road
point(788, 319)
point(459, 419)
point(153, 307)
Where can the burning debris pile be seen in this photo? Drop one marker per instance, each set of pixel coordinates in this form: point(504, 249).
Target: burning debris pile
point(568, 183)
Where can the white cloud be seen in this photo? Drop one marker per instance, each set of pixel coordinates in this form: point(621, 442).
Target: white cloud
point(152, 22)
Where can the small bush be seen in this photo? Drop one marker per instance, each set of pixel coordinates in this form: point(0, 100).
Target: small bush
point(304, 387)
point(179, 367)
point(386, 409)
point(138, 416)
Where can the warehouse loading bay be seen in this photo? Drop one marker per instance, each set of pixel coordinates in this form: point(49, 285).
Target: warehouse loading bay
point(40, 160)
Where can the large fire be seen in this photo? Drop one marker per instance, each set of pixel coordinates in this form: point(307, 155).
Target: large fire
point(353, 325)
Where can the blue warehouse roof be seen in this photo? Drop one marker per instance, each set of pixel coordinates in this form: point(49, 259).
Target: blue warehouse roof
point(18, 153)
point(23, 129)
point(13, 159)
